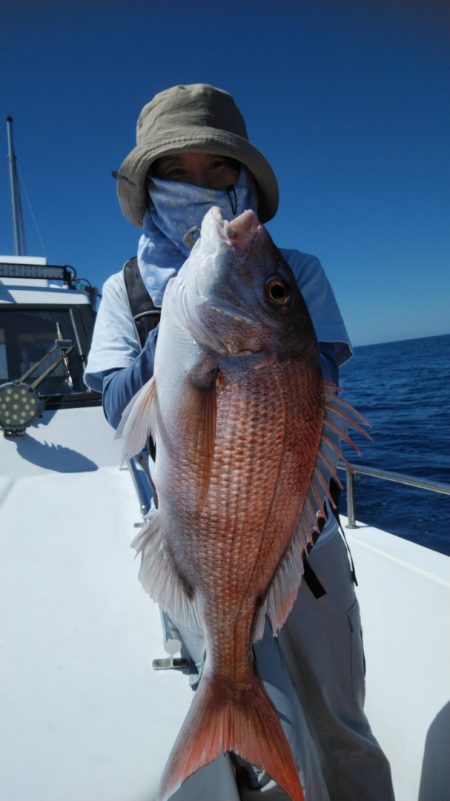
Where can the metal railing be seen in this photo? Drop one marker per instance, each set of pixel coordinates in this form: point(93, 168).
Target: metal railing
point(387, 475)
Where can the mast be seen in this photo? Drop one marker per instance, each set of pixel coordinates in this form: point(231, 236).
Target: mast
point(16, 205)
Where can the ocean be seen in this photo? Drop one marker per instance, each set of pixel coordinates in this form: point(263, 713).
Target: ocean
point(403, 389)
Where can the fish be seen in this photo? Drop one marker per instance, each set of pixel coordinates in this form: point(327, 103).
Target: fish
point(247, 437)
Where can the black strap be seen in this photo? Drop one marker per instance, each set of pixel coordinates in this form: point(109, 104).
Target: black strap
point(349, 554)
point(316, 587)
point(335, 492)
point(309, 576)
point(145, 314)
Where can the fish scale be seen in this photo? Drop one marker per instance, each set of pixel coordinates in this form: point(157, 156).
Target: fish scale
point(244, 497)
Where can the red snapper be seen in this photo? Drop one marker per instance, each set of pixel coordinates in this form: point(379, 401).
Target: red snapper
point(247, 439)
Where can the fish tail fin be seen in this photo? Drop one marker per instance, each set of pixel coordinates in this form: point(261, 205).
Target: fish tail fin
point(223, 719)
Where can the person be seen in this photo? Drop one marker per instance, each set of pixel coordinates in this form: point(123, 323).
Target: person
point(193, 152)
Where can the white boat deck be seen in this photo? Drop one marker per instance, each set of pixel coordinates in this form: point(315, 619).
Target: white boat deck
point(83, 715)
point(404, 593)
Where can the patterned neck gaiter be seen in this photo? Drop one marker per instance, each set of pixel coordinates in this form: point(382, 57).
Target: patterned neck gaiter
point(172, 224)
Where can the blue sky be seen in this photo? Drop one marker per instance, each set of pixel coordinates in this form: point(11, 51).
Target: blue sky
point(349, 101)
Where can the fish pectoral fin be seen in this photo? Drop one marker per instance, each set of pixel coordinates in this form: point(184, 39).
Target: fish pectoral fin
point(198, 431)
point(137, 420)
point(243, 722)
point(159, 577)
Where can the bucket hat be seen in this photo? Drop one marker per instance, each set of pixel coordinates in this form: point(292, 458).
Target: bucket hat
point(195, 118)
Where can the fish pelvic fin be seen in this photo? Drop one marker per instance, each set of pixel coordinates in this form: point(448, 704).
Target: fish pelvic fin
point(137, 419)
point(223, 719)
point(339, 417)
point(159, 577)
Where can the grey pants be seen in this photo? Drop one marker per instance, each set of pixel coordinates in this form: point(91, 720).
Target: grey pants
point(314, 675)
point(322, 643)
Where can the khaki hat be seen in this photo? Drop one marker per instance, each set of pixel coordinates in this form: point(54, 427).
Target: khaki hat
point(195, 118)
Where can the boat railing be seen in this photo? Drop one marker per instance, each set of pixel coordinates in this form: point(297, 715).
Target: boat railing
point(353, 470)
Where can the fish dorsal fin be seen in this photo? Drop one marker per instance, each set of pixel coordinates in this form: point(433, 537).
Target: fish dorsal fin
point(137, 420)
point(159, 577)
point(338, 418)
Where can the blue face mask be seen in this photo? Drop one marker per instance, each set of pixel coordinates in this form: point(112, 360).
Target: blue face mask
point(172, 224)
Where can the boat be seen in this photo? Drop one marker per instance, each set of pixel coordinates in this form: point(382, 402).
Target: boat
point(85, 716)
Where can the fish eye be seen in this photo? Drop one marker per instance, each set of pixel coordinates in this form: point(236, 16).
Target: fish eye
point(277, 291)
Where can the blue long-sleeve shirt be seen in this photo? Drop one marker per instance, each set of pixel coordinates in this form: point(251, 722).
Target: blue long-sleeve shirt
point(120, 386)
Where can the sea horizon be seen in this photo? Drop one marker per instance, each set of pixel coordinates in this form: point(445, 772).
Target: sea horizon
point(402, 339)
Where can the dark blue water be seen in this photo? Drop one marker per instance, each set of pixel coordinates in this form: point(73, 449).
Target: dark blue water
point(403, 389)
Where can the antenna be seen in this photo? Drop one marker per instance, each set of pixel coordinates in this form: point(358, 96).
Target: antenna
point(16, 205)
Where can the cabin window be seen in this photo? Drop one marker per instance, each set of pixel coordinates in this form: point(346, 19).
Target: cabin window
point(27, 340)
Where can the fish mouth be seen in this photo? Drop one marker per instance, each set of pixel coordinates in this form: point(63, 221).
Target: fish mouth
point(240, 231)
